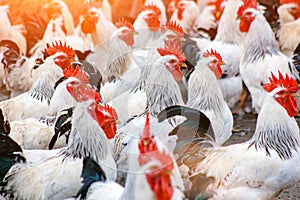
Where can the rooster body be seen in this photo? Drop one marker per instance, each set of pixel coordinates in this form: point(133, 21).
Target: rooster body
point(261, 56)
point(67, 165)
point(261, 167)
point(210, 102)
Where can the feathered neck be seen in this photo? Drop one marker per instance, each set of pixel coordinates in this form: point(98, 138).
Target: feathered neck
point(87, 138)
point(259, 41)
point(120, 56)
point(276, 131)
point(204, 91)
point(44, 82)
point(161, 89)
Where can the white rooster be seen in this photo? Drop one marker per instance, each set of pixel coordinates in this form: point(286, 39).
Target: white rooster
point(86, 139)
point(261, 167)
point(204, 94)
point(261, 54)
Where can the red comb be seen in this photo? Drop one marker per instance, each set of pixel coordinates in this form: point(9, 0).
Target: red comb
point(147, 143)
point(77, 73)
point(153, 8)
point(172, 48)
point(176, 28)
point(58, 47)
point(247, 4)
point(212, 53)
point(124, 23)
point(288, 82)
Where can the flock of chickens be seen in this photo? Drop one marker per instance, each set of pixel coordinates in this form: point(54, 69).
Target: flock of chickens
point(123, 110)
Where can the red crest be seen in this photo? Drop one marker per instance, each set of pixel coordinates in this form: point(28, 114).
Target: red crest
point(288, 82)
point(124, 23)
point(172, 48)
point(247, 4)
point(176, 28)
point(77, 73)
point(58, 47)
point(212, 53)
point(152, 8)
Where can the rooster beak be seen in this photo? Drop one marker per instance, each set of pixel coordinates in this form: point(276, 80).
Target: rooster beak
point(117, 121)
point(222, 63)
point(135, 33)
point(295, 95)
point(183, 65)
point(182, 39)
point(238, 18)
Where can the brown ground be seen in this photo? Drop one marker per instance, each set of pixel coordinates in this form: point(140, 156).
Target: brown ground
point(246, 127)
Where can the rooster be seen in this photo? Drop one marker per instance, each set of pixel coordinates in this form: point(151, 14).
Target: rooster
point(93, 23)
point(211, 13)
point(263, 166)
point(289, 13)
point(147, 24)
point(41, 131)
point(157, 176)
point(86, 139)
point(117, 48)
point(212, 104)
point(260, 51)
point(185, 14)
point(34, 103)
point(227, 43)
point(160, 93)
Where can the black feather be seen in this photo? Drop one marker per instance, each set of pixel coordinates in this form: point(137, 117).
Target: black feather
point(296, 58)
point(93, 74)
point(62, 126)
point(9, 154)
point(191, 114)
point(59, 81)
point(91, 172)
point(4, 124)
point(196, 126)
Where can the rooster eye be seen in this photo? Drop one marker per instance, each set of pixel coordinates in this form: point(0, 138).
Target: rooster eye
point(172, 61)
point(39, 61)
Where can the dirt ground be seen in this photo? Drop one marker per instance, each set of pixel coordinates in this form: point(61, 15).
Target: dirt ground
point(246, 126)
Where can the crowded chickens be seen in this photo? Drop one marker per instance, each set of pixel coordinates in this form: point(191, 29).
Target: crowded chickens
point(109, 99)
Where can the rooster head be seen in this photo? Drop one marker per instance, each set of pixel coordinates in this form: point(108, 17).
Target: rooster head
point(89, 22)
point(284, 91)
point(64, 54)
point(126, 31)
point(245, 14)
point(174, 27)
point(215, 63)
point(152, 17)
point(159, 177)
point(219, 8)
point(174, 64)
point(294, 9)
point(106, 117)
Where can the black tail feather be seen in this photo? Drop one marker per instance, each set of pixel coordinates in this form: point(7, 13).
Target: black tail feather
point(196, 120)
point(10, 153)
point(91, 172)
point(62, 126)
